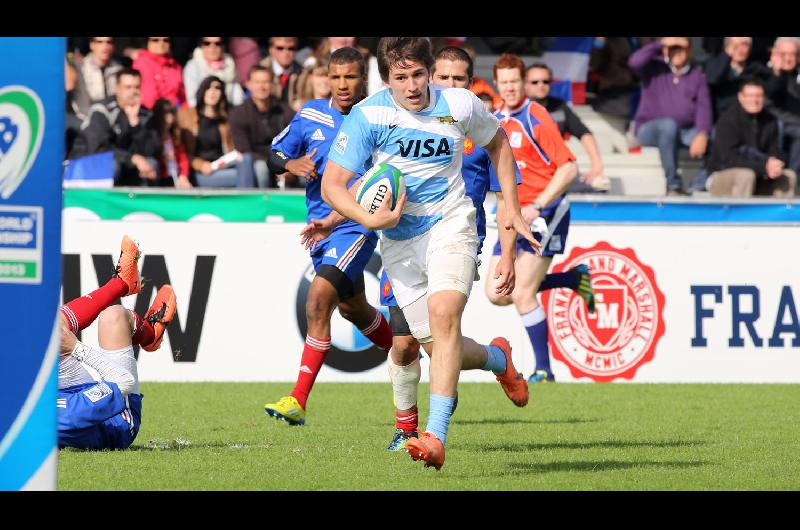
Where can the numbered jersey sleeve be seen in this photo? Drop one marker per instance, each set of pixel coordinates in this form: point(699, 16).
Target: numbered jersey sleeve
point(291, 141)
point(355, 142)
point(481, 125)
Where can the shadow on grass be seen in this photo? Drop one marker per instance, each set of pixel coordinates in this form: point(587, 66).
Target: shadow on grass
point(520, 468)
point(612, 444)
point(506, 421)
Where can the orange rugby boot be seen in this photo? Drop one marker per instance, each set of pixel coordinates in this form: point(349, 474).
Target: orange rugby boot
point(514, 385)
point(160, 314)
point(427, 447)
point(127, 268)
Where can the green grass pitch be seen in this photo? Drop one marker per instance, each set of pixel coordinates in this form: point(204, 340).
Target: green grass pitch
point(215, 436)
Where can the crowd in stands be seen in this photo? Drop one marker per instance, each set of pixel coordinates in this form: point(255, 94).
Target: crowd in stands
point(203, 112)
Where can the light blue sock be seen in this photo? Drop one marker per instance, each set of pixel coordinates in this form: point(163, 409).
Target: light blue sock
point(495, 360)
point(441, 407)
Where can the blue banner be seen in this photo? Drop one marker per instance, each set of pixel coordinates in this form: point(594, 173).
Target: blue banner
point(32, 105)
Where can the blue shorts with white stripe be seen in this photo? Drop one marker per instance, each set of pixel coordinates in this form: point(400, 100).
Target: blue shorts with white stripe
point(348, 249)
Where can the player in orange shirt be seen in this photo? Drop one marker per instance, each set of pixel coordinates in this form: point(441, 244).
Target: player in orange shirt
point(547, 167)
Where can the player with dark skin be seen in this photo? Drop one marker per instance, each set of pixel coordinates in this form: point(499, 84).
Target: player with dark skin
point(348, 87)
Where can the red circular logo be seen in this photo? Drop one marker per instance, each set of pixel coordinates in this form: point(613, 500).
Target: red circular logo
point(623, 332)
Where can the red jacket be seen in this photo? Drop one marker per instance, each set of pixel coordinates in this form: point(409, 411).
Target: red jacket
point(161, 78)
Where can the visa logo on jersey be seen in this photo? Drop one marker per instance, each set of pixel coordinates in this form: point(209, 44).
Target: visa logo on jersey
point(429, 147)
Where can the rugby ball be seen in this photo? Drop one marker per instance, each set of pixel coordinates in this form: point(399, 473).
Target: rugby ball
point(375, 184)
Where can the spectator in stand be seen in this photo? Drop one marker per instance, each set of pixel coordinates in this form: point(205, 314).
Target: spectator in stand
point(246, 54)
point(210, 59)
point(675, 107)
point(745, 157)
point(725, 71)
point(161, 74)
point(97, 76)
point(207, 135)
point(783, 91)
point(616, 84)
point(328, 45)
point(281, 62)
point(538, 78)
point(173, 161)
point(122, 124)
point(312, 84)
point(257, 121)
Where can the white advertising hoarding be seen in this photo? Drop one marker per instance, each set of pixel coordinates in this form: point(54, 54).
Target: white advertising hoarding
point(238, 285)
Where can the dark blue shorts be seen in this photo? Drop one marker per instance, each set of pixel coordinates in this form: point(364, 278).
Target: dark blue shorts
point(556, 216)
point(348, 248)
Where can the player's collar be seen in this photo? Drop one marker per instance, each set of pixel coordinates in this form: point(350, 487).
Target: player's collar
point(505, 111)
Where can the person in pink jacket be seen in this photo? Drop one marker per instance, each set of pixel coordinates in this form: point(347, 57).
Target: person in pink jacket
point(161, 74)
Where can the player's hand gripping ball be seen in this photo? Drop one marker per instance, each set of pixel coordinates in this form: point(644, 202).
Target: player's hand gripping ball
point(375, 184)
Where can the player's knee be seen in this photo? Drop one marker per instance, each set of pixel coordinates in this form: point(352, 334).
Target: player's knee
point(405, 349)
point(442, 316)
point(114, 317)
point(355, 311)
point(318, 308)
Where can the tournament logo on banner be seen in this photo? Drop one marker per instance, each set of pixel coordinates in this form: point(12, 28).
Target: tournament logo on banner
point(21, 129)
point(623, 333)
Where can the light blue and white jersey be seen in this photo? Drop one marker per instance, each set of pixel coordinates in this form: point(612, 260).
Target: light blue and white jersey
point(426, 146)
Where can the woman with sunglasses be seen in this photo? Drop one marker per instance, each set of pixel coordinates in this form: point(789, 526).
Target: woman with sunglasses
point(208, 138)
point(161, 74)
point(210, 59)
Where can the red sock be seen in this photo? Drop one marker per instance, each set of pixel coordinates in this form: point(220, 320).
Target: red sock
point(379, 332)
point(408, 421)
point(82, 311)
point(314, 353)
point(144, 333)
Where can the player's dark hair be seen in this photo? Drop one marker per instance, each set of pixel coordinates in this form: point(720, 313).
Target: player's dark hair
point(349, 55)
point(509, 61)
point(751, 81)
point(541, 66)
point(259, 68)
point(393, 51)
point(485, 96)
point(454, 53)
point(127, 71)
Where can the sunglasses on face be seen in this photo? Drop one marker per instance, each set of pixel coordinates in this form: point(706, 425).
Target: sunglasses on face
point(282, 48)
point(537, 81)
point(677, 48)
point(158, 39)
point(218, 44)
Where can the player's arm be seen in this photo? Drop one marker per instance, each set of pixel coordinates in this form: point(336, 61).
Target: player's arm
point(319, 229)
point(503, 160)
point(560, 182)
point(508, 252)
point(567, 168)
point(335, 192)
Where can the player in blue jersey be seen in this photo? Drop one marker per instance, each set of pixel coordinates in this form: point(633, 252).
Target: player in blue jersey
point(430, 240)
point(102, 409)
point(339, 260)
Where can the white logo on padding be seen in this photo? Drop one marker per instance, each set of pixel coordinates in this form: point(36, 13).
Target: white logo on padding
point(98, 392)
point(341, 143)
point(318, 135)
point(516, 139)
point(306, 369)
point(331, 253)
